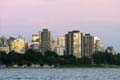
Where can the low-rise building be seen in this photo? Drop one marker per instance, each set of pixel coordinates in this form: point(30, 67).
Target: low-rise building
point(34, 45)
point(111, 49)
point(17, 44)
point(4, 49)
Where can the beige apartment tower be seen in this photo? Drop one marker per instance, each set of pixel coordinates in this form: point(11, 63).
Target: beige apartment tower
point(74, 44)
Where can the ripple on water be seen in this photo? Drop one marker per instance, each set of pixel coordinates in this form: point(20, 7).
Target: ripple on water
point(60, 74)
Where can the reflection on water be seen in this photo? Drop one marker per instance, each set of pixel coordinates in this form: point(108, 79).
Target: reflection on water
point(60, 74)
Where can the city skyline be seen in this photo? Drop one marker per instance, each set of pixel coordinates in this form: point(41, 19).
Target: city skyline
point(73, 43)
point(97, 17)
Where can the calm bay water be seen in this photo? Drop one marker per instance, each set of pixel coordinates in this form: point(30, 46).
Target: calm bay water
point(60, 74)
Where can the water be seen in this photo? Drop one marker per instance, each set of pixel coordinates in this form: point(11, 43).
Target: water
point(60, 74)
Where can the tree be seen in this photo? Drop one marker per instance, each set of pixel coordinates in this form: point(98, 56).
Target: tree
point(85, 60)
point(3, 57)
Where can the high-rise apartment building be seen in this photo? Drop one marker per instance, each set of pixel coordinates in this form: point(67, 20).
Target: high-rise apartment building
point(46, 39)
point(98, 45)
point(4, 44)
point(74, 44)
point(60, 49)
point(88, 45)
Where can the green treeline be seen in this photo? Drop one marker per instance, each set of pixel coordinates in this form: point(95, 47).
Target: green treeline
point(51, 58)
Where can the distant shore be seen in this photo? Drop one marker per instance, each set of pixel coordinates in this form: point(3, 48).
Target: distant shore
point(63, 66)
point(90, 66)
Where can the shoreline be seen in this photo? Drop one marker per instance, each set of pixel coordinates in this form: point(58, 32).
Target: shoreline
point(63, 66)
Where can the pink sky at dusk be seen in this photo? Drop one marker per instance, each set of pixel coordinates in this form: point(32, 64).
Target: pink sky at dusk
point(26, 17)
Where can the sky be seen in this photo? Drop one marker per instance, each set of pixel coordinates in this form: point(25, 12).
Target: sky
point(26, 17)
